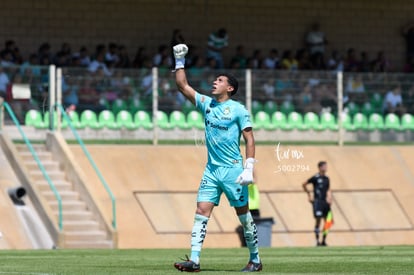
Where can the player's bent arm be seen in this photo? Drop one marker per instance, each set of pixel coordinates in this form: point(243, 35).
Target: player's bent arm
point(250, 144)
point(305, 188)
point(183, 86)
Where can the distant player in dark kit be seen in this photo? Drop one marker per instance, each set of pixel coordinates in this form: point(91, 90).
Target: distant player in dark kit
point(321, 201)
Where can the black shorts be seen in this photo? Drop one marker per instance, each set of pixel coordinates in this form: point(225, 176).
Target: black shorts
point(320, 209)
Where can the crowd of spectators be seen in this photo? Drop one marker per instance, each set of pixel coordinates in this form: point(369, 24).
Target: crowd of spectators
point(104, 78)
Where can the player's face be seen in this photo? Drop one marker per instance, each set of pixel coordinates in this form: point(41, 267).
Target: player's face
point(221, 86)
point(323, 168)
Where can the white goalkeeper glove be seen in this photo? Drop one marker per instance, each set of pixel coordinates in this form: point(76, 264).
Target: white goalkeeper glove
point(246, 177)
point(180, 51)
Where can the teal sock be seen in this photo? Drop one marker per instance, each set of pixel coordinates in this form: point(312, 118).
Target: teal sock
point(197, 237)
point(250, 235)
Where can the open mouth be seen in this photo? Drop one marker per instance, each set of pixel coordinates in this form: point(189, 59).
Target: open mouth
point(213, 88)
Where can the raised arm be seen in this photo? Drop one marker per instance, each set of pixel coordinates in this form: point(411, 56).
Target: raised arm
point(180, 51)
point(246, 177)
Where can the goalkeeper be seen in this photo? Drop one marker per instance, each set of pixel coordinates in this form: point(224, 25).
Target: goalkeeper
point(225, 121)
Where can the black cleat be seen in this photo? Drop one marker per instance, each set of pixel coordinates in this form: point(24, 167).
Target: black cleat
point(323, 244)
point(187, 266)
point(252, 267)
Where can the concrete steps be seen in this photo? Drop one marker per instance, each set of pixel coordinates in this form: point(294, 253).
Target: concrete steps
point(81, 229)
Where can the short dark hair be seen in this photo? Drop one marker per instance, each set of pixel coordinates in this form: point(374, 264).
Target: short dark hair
point(232, 82)
point(321, 163)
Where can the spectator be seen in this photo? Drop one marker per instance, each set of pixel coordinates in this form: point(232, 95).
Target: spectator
point(289, 62)
point(11, 47)
point(393, 101)
point(315, 41)
point(139, 58)
point(123, 58)
point(70, 88)
point(217, 42)
point(4, 81)
point(355, 84)
point(239, 60)
point(269, 89)
point(256, 60)
point(63, 56)
point(272, 61)
point(409, 66)
point(99, 63)
point(162, 56)
point(31, 64)
point(111, 56)
point(380, 64)
point(408, 99)
point(336, 62)
point(408, 34)
point(89, 98)
point(85, 59)
point(45, 56)
point(304, 63)
point(6, 59)
point(351, 63)
point(364, 64)
point(193, 57)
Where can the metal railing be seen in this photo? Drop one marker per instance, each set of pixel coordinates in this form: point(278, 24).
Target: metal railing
point(38, 162)
point(92, 162)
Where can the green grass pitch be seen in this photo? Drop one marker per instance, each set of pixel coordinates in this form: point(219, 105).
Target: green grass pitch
point(318, 260)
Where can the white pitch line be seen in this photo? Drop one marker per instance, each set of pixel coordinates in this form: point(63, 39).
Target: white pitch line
point(25, 273)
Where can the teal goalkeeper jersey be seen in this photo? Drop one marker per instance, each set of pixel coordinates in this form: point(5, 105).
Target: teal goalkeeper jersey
point(224, 123)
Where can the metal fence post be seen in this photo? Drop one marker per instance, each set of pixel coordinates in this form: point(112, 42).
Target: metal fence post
point(52, 92)
point(155, 104)
point(249, 90)
point(340, 108)
point(58, 97)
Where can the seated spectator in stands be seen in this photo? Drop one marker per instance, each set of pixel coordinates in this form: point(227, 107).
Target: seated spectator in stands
point(336, 62)
point(351, 62)
point(162, 56)
point(364, 63)
point(355, 84)
point(316, 41)
point(393, 102)
point(89, 98)
point(123, 58)
point(408, 99)
point(139, 58)
point(217, 42)
point(269, 89)
point(283, 82)
point(197, 69)
point(211, 65)
point(70, 88)
point(193, 57)
point(303, 58)
point(4, 82)
point(84, 57)
point(272, 61)
point(239, 60)
point(381, 63)
point(99, 63)
point(305, 98)
point(32, 65)
point(327, 97)
point(45, 56)
point(6, 59)
point(409, 66)
point(288, 61)
point(256, 60)
point(314, 79)
point(408, 34)
point(111, 56)
point(63, 56)
point(11, 47)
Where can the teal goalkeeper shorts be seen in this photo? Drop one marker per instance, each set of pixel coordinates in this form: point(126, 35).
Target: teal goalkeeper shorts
point(217, 180)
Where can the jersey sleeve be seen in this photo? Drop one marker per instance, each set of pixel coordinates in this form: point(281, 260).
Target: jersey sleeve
point(202, 102)
point(311, 180)
point(244, 119)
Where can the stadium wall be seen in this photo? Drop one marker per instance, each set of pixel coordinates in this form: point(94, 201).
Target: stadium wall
point(156, 189)
point(364, 25)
